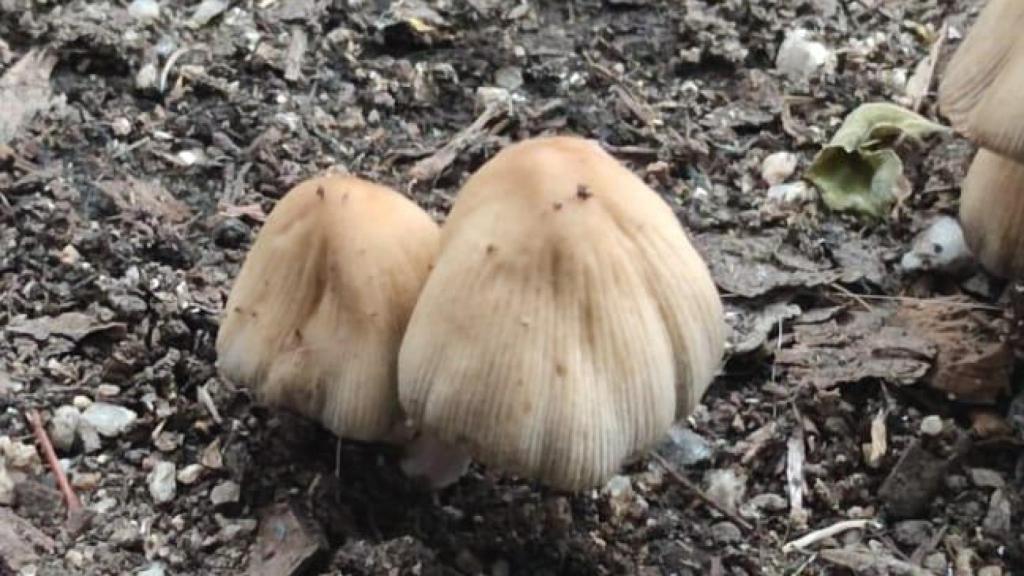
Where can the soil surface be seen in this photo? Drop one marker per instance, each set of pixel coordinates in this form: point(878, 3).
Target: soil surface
point(143, 144)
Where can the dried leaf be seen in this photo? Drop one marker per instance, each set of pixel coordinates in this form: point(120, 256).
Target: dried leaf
point(855, 346)
point(24, 92)
point(758, 264)
point(149, 197)
point(858, 171)
point(74, 326)
point(20, 541)
point(972, 363)
point(752, 325)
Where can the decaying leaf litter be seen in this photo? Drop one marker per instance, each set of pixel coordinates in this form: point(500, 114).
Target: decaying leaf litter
point(860, 425)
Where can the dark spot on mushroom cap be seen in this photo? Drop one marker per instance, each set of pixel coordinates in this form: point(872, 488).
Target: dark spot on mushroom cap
point(320, 192)
point(560, 369)
point(937, 247)
point(558, 205)
point(582, 192)
point(344, 197)
point(491, 248)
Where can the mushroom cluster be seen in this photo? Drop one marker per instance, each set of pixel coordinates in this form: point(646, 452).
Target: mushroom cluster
point(557, 325)
point(980, 94)
point(568, 321)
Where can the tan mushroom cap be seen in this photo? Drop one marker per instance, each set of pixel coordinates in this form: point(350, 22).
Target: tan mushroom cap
point(981, 87)
point(991, 213)
point(316, 315)
point(568, 321)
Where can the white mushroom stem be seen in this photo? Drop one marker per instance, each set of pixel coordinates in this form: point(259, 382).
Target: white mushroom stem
point(434, 461)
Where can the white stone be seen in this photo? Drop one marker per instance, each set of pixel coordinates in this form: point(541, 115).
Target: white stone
point(800, 57)
point(792, 194)
point(110, 420)
point(931, 425)
point(144, 10)
point(189, 474)
point(778, 167)
point(162, 486)
point(940, 247)
point(64, 427)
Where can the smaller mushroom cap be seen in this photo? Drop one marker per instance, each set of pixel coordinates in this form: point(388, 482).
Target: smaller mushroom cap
point(315, 318)
point(981, 87)
point(568, 321)
point(992, 213)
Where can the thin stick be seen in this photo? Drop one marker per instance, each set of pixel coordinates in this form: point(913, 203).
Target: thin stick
point(828, 532)
point(74, 504)
point(939, 301)
point(698, 492)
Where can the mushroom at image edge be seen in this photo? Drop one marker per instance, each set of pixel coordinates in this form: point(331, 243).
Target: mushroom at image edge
point(980, 94)
point(314, 320)
point(568, 321)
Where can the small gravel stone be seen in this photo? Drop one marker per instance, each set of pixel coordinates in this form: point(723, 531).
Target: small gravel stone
point(931, 425)
point(230, 233)
point(684, 447)
point(936, 562)
point(154, 569)
point(107, 390)
point(726, 533)
point(997, 521)
point(225, 493)
point(128, 306)
point(109, 420)
point(800, 57)
point(912, 532)
point(778, 167)
point(189, 474)
point(162, 486)
point(986, 478)
point(144, 10)
point(63, 427)
point(81, 402)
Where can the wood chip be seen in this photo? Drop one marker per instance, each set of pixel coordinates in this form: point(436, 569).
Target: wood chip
point(430, 168)
point(24, 92)
point(296, 53)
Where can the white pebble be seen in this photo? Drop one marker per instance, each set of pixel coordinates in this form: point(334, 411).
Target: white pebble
point(778, 167)
point(162, 486)
point(63, 427)
point(109, 420)
point(792, 193)
point(931, 425)
point(799, 57)
point(941, 247)
point(144, 10)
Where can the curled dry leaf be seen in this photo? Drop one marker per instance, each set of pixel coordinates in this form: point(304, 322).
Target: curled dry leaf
point(858, 171)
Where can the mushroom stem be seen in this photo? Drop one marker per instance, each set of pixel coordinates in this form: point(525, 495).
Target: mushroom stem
point(991, 210)
point(435, 461)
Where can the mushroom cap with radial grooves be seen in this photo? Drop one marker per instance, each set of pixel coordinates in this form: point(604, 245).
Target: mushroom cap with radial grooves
point(991, 212)
point(567, 322)
point(315, 318)
point(981, 87)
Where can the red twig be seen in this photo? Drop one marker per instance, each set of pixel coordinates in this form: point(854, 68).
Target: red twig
point(74, 504)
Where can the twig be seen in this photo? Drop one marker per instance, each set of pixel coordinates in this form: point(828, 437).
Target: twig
point(940, 301)
point(74, 504)
point(796, 485)
point(828, 532)
point(853, 295)
point(698, 492)
point(430, 168)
